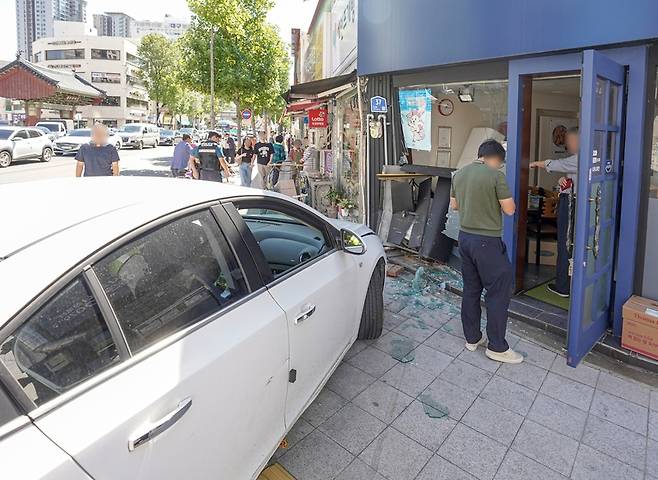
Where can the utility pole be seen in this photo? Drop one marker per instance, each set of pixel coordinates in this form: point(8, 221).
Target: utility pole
point(212, 78)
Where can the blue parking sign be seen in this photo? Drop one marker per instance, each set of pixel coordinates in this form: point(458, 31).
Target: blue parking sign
point(378, 105)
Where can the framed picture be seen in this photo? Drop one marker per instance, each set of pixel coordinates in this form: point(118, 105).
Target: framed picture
point(445, 138)
point(443, 158)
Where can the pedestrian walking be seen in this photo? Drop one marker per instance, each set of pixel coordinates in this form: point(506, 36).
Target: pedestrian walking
point(566, 186)
point(245, 158)
point(278, 157)
point(208, 159)
point(480, 194)
point(181, 159)
point(264, 152)
point(229, 152)
point(97, 158)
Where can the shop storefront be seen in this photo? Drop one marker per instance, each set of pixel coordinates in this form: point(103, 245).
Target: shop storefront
point(523, 73)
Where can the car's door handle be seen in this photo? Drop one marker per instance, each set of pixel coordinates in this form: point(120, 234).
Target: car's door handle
point(307, 312)
point(160, 425)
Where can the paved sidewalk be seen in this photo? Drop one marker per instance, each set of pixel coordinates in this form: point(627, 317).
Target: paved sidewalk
point(415, 404)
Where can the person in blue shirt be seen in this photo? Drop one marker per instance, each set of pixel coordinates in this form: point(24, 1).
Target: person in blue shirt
point(208, 159)
point(181, 157)
point(278, 158)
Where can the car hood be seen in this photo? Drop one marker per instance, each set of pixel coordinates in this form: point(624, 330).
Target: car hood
point(357, 228)
point(6, 143)
point(70, 139)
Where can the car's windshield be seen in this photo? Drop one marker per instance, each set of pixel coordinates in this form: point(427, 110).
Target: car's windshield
point(52, 127)
point(166, 132)
point(43, 129)
point(80, 132)
point(4, 134)
point(131, 128)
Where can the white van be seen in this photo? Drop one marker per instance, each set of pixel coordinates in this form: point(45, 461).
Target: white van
point(139, 135)
point(57, 126)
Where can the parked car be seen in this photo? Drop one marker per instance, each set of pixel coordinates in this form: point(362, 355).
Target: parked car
point(192, 132)
point(170, 137)
point(52, 136)
point(72, 141)
point(175, 316)
point(57, 126)
point(139, 135)
point(23, 143)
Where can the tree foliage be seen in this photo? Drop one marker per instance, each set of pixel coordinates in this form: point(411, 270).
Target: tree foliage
point(159, 62)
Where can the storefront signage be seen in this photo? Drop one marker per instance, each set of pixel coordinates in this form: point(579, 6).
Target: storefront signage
point(416, 115)
point(246, 114)
point(318, 118)
point(378, 105)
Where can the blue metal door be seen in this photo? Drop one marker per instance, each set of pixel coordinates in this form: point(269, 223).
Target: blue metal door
point(602, 107)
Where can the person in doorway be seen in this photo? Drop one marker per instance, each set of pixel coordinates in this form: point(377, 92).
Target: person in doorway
point(97, 158)
point(278, 158)
point(264, 152)
point(208, 159)
point(246, 156)
point(566, 185)
point(480, 193)
point(181, 158)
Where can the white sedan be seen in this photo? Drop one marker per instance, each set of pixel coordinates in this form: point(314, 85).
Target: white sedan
point(169, 329)
point(71, 142)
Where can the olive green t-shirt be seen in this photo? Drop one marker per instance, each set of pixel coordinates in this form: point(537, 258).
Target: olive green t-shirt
point(478, 189)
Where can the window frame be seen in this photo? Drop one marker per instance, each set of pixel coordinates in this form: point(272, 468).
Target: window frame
point(331, 233)
point(84, 270)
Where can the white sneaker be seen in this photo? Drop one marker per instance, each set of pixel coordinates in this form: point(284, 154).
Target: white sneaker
point(471, 347)
point(510, 356)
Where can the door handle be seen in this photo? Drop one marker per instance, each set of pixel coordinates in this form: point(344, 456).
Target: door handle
point(310, 310)
point(160, 425)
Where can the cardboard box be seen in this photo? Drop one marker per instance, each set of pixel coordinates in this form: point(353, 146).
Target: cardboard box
point(640, 326)
point(548, 255)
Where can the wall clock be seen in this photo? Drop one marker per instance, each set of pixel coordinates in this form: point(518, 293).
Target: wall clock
point(446, 107)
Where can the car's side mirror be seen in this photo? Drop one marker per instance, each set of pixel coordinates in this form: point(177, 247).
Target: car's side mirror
point(350, 242)
point(17, 139)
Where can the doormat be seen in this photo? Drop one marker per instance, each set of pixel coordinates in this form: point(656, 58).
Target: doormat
point(275, 472)
point(543, 294)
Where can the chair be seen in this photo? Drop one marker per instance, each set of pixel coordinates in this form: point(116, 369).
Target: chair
point(541, 224)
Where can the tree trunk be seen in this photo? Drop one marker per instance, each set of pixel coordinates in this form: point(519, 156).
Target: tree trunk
point(266, 120)
point(238, 120)
point(253, 123)
point(157, 112)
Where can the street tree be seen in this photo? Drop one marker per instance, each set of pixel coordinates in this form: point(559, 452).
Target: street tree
point(158, 70)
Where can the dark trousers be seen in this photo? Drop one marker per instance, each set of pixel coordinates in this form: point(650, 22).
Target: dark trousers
point(562, 282)
point(178, 172)
point(275, 174)
point(211, 175)
point(485, 266)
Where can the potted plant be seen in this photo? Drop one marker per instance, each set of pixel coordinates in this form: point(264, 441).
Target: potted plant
point(345, 207)
point(334, 196)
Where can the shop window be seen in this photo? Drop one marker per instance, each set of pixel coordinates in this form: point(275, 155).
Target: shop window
point(650, 278)
point(111, 101)
point(103, 77)
point(99, 54)
point(133, 103)
point(68, 54)
point(133, 59)
point(443, 124)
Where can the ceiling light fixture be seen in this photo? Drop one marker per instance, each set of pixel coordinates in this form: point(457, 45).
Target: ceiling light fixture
point(466, 94)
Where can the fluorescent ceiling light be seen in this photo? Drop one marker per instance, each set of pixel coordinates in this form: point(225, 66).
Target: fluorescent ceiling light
point(466, 94)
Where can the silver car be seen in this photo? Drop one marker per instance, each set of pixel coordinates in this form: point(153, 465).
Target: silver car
point(22, 143)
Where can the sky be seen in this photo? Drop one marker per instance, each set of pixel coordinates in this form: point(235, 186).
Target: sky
point(286, 14)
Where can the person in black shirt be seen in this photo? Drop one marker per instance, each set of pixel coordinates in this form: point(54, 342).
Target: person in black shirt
point(229, 151)
point(264, 152)
point(245, 158)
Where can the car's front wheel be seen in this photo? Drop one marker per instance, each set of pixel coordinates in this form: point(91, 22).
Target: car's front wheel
point(372, 318)
point(5, 159)
point(47, 154)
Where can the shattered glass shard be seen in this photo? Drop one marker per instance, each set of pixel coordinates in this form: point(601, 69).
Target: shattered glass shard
point(433, 408)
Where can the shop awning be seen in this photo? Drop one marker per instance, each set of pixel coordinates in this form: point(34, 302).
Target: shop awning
point(302, 107)
point(320, 88)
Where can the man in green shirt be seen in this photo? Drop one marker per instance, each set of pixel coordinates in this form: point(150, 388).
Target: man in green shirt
point(481, 195)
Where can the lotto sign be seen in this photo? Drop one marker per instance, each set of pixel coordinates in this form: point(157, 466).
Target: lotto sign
point(318, 118)
point(246, 114)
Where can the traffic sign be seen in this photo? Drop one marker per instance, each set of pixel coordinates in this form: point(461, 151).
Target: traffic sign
point(378, 105)
point(246, 114)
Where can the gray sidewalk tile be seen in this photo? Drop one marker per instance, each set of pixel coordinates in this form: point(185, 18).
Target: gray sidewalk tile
point(430, 432)
point(432, 318)
point(615, 441)
point(439, 468)
point(454, 327)
point(392, 320)
point(473, 452)
point(298, 431)
point(430, 360)
point(455, 399)
point(620, 411)
point(415, 329)
point(653, 425)
point(479, 359)
point(324, 406)
point(356, 347)
point(509, 395)
point(396, 456)
point(652, 458)
point(568, 391)
point(626, 389)
point(466, 376)
point(653, 402)
point(549, 448)
point(383, 401)
point(373, 361)
point(395, 344)
point(582, 373)
point(493, 421)
point(316, 457)
point(446, 343)
point(558, 416)
point(519, 467)
point(408, 378)
point(348, 381)
point(525, 374)
point(593, 465)
point(535, 354)
point(352, 428)
point(358, 470)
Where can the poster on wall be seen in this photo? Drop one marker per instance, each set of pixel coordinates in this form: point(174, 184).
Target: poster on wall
point(416, 114)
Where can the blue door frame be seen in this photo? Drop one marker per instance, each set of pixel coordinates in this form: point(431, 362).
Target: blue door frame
point(636, 59)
